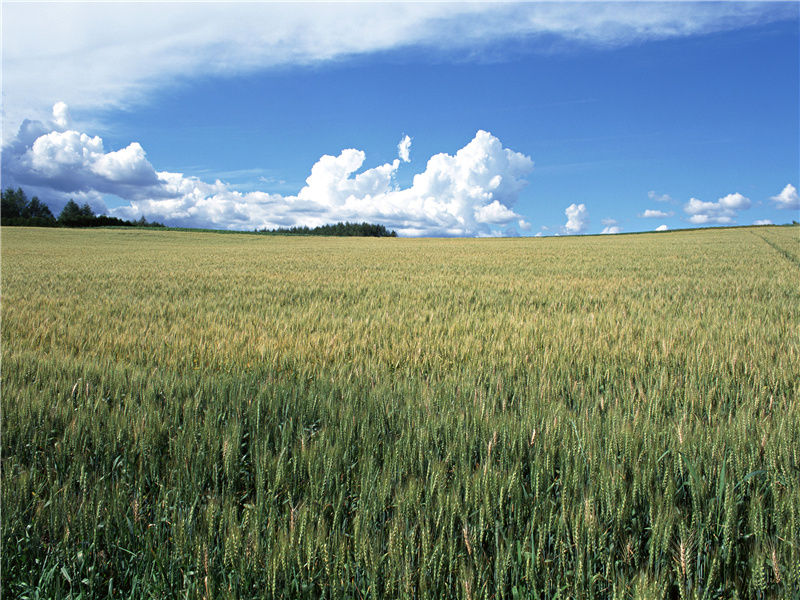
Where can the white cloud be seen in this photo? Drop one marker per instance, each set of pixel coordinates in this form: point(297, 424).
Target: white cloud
point(70, 161)
point(330, 181)
point(56, 152)
point(611, 226)
point(494, 213)
point(654, 214)
point(734, 202)
point(722, 212)
point(524, 225)
point(662, 228)
point(788, 198)
point(61, 115)
point(404, 149)
point(653, 195)
point(469, 193)
point(114, 54)
point(577, 218)
point(762, 222)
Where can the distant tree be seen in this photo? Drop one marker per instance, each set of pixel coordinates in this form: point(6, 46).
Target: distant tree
point(338, 229)
point(73, 215)
point(15, 209)
point(38, 210)
point(13, 203)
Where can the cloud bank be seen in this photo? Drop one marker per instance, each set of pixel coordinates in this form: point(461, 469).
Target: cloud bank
point(471, 192)
point(110, 55)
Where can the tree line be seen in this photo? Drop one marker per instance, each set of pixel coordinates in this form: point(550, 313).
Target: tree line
point(338, 229)
point(16, 209)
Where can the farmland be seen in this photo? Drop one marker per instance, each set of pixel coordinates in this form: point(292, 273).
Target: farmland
point(234, 416)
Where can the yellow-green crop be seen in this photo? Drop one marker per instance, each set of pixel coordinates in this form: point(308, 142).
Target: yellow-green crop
point(237, 416)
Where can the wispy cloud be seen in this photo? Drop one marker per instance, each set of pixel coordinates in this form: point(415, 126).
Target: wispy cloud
point(471, 192)
point(113, 54)
point(653, 195)
point(654, 214)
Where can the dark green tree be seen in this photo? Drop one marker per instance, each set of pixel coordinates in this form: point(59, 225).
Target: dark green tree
point(17, 210)
point(37, 209)
point(73, 215)
point(338, 229)
point(13, 204)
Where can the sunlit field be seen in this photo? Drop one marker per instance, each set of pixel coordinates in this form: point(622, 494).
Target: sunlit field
point(238, 416)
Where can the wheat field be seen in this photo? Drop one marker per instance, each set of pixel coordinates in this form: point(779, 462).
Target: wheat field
point(197, 415)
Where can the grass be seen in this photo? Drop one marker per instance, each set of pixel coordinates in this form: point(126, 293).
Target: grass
point(203, 416)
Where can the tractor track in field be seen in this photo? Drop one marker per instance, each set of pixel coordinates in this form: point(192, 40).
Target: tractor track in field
point(782, 251)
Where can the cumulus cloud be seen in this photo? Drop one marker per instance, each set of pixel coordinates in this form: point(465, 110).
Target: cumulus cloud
point(471, 192)
point(70, 161)
point(113, 54)
point(494, 213)
point(662, 228)
point(654, 214)
point(404, 149)
point(722, 212)
point(734, 202)
point(788, 198)
point(577, 218)
point(762, 222)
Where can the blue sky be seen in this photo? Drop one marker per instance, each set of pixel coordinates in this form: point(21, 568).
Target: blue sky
point(541, 118)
